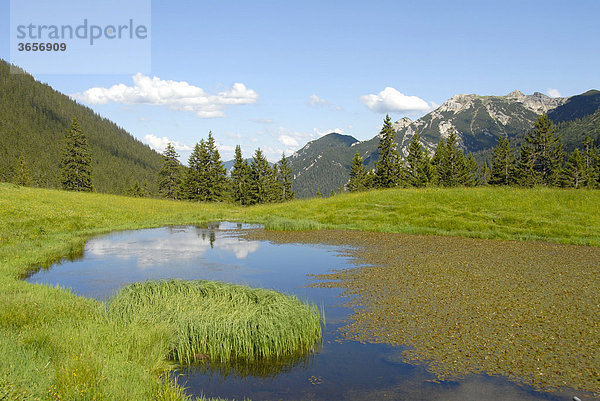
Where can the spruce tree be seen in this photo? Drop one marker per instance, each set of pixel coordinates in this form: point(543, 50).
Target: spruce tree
point(76, 162)
point(358, 175)
point(285, 179)
point(418, 168)
point(525, 171)
point(547, 153)
point(503, 164)
point(485, 174)
point(573, 174)
point(135, 190)
point(262, 180)
point(387, 167)
point(240, 178)
point(469, 173)
point(170, 174)
point(590, 157)
point(195, 180)
point(452, 168)
point(22, 175)
point(216, 175)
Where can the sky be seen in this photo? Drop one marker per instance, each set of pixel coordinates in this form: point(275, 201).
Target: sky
point(277, 74)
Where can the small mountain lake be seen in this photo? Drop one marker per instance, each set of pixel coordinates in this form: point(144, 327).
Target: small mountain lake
point(341, 369)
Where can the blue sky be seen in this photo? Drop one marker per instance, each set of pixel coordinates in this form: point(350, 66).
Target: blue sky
point(276, 74)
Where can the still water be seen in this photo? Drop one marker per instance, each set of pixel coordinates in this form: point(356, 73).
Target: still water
point(340, 370)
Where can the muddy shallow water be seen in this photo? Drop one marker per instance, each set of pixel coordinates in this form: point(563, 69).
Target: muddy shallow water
point(464, 306)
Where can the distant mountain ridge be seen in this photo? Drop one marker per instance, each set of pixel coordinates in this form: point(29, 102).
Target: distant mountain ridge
point(479, 122)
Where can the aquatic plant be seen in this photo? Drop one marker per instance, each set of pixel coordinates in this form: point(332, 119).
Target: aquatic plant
point(221, 322)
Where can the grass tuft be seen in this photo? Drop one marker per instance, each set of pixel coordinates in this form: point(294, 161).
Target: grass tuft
point(221, 322)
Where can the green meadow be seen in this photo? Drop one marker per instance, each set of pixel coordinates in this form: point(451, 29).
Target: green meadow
point(58, 346)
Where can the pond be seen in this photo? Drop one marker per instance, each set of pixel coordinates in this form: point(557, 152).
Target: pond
point(341, 369)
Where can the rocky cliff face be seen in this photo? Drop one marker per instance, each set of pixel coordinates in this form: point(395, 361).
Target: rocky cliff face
point(478, 120)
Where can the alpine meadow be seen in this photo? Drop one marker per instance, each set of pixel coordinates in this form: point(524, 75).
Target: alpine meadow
point(275, 201)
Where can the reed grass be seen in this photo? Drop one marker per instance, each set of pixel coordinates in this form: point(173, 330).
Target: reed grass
point(221, 322)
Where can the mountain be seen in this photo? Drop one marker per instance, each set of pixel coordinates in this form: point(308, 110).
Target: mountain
point(229, 164)
point(573, 132)
point(479, 121)
point(576, 107)
point(33, 121)
point(322, 164)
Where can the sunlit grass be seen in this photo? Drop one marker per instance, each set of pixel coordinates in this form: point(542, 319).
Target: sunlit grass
point(219, 321)
point(54, 345)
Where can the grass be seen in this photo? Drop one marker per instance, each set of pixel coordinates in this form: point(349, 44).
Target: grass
point(221, 322)
point(57, 346)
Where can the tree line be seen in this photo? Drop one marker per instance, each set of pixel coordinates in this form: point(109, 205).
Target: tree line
point(205, 178)
point(540, 162)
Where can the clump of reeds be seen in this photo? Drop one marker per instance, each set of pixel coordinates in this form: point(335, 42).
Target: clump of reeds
point(221, 322)
point(283, 224)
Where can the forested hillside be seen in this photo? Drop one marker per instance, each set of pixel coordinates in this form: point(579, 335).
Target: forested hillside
point(34, 119)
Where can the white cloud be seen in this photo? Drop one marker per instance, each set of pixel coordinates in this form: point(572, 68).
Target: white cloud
point(265, 121)
point(319, 133)
point(176, 95)
point(390, 100)
point(160, 144)
point(553, 92)
point(316, 101)
point(288, 140)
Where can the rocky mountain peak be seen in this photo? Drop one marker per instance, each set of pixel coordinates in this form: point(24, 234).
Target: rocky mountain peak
point(457, 103)
point(402, 123)
point(516, 94)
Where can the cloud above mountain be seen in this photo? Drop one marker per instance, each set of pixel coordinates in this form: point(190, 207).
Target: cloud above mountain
point(175, 95)
point(160, 144)
point(391, 100)
point(553, 92)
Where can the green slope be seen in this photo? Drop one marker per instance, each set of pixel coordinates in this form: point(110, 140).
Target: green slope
point(33, 121)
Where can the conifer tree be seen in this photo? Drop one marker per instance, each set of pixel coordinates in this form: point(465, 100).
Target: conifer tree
point(591, 160)
point(216, 175)
point(573, 174)
point(546, 151)
point(451, 166)
point(76, 162)
point(262, 180)
point(418, 168)
point(285, 179)
point(524, 171)
point(387, 167)
point(240, 178)
point(469, 172)
point(22, 175)
point(358, 175)
point(136, 190)
point(503, 164)
point(195, 178)
point(170, 174)
point(485, 174)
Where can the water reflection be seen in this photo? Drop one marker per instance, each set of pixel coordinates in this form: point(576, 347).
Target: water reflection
point(180, 246)
point(340, 370)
